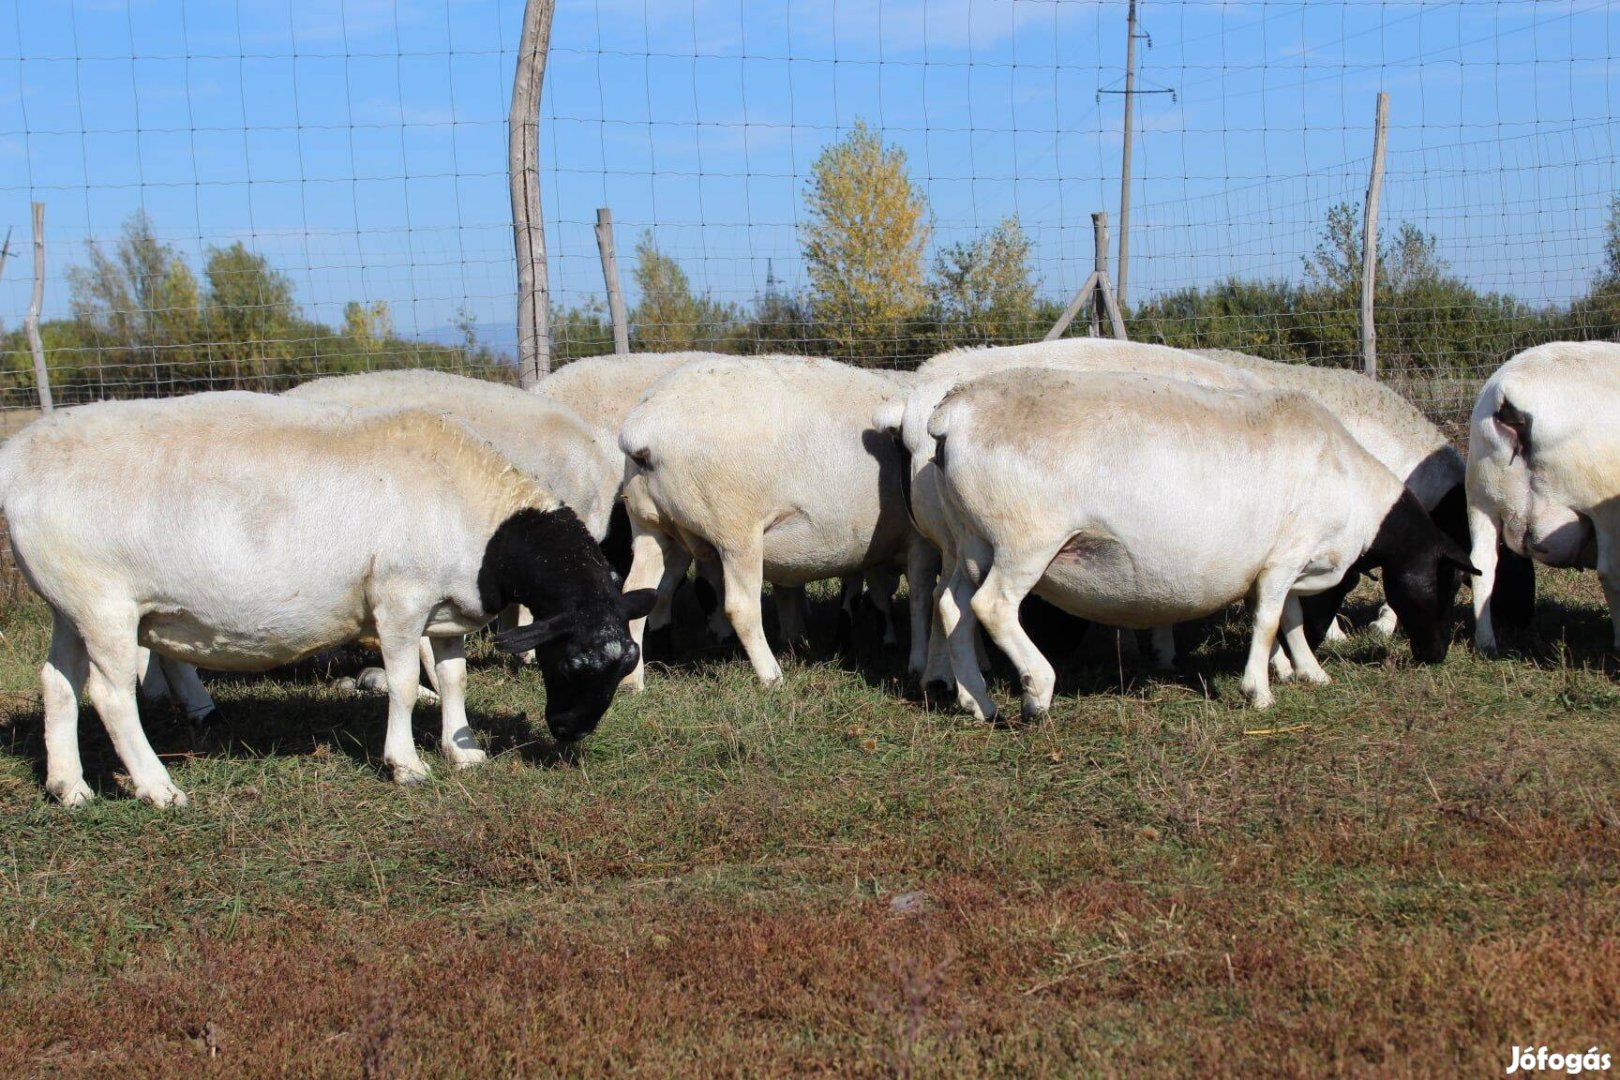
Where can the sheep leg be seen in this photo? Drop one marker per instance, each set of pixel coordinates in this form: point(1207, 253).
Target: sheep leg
point(995, 604)
point(849, 596)
point(430, 665)
point(1164, 647)
point(652, 558)
point(1299, 649)
point(881, 583)
point(158, 678)
point(1608, 568)
point(186, 688)
point(112, 651)
point(1483, 535)
point(60, 680)
point(922, 571)
point(456, 739)
point(790, 614)
point(744, 570)
point(937, 668)
point(1282, 668)
point(711, 574)
point(402, 661)
point(1270, 596)
point(961, 633)
point(154, 686)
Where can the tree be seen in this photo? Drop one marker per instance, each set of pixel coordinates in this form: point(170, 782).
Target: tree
point(983, 291)
point(669, 317)
point(1610, 274)
point(368, 325)
point(1335, 264)
point(139, 305)
point(863, 238)
point(249, 311)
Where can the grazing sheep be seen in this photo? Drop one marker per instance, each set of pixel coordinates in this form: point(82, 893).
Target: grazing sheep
point(541, 437)
point(1544, 470)
point(1141, 501)
point(906, 418)
point(1392, 430)
point(267, 529)
point(769, 464)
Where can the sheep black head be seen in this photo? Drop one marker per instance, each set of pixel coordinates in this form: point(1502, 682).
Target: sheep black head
point(546, 561)
point(1422, 567)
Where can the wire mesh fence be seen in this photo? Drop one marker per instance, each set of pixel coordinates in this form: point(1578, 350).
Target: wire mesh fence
point(248, 194)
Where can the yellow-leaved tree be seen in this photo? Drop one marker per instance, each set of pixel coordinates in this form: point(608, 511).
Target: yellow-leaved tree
point(865, 229)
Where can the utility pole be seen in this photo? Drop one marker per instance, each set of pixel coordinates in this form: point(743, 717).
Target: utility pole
point(1125, 155)
point(1132, 32)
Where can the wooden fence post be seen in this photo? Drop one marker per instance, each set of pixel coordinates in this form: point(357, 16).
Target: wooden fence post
point(1099, 264)
point(1369, 241)
point(523, 172)
point(610, 275)
point(42, 377)
point(1098, 290)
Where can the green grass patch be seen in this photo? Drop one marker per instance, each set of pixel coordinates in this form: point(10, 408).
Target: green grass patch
point(1409, 872)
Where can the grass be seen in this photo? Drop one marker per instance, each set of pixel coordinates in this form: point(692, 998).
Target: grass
point(1415, 870)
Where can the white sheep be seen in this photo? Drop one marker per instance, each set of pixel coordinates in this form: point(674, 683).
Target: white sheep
point(541, 437)
point(266, 529)
point(1388, 427)
point(906, 417)
point(771, 465)
point(1544, 470)
point(1138, 500)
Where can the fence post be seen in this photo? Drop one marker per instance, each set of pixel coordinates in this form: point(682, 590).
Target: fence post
point(610, 275)
point(523, 173)
point(1369, 241)
point(1099, 264)
point(42, 377)
point(1098, 289)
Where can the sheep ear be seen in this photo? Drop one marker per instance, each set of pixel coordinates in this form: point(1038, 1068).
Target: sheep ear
point(522, 639)
point(1515, 425)
point(1452, 552)
point(637, 604)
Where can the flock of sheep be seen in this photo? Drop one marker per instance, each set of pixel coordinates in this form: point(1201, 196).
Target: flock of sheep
point(1133, 485)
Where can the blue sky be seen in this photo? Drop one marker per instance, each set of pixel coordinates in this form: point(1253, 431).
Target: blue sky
point(361, 145)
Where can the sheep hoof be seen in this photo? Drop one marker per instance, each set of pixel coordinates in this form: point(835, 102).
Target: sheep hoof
point(71, 792)
point(373, 680)
point(411, 772)
point(208, 718)
point(466, 758)
point(160, 795)
point(1033, 712)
